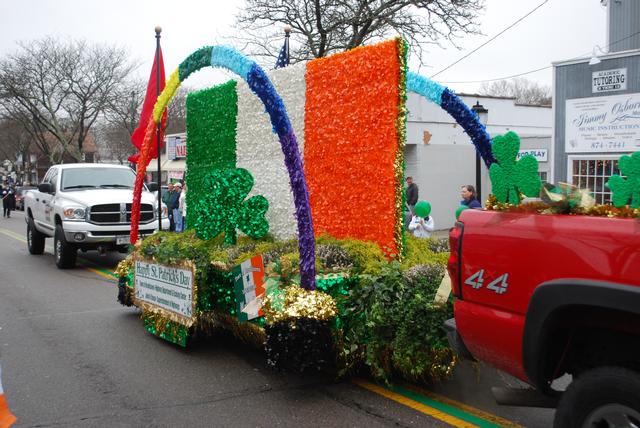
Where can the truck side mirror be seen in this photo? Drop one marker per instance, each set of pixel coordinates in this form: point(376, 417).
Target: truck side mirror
point(45, 187)
point(152, 186)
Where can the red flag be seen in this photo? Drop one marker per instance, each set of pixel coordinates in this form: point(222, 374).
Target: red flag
point(147, 111)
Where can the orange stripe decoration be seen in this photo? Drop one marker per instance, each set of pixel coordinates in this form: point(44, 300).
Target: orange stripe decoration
point(352, 141)
point(6, 417)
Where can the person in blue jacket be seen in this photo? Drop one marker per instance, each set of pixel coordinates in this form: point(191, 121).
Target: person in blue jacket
point(469, 197)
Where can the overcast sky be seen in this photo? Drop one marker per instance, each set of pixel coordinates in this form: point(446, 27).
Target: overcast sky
point(560, 29)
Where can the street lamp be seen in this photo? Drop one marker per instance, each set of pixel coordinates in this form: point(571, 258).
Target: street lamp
point(483, 115)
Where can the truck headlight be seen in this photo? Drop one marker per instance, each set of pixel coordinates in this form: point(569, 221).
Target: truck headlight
point(164, 212)
point(74, 213)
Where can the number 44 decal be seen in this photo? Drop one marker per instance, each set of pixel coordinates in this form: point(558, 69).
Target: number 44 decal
point(498, 285)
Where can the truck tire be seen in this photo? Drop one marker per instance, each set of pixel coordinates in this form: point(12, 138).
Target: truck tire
point(35, 239)
point(601, 397)
point(63, 252)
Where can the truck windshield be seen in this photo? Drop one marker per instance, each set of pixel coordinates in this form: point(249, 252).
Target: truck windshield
point(97, 178)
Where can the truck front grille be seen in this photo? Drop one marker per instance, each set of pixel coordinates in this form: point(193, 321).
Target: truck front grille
point(118, 213)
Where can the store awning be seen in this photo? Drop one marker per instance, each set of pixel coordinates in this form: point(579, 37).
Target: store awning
point(167, 165)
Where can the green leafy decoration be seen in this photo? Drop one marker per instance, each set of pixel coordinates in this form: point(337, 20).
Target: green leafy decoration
point(625, 189)
point(510, 177)
point(224, 208)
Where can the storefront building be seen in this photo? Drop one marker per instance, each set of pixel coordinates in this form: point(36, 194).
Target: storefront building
point(173, 161)
point(440, 157)
point(597, 105)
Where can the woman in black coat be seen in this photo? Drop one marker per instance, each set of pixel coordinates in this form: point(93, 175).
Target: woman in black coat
point(8, 201)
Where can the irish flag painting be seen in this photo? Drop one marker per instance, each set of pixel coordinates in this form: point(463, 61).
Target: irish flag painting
point(348, 113)
point(6, 417)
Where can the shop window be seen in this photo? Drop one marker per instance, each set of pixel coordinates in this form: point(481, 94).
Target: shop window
point(593, 174)
point(543, 176)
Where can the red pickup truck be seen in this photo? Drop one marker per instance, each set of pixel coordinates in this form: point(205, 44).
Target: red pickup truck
point(539, 296)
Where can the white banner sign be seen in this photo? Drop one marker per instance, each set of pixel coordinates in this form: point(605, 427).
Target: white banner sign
point(603, 124)
point(171, 148)
point(181, 148)
point(164, 286)
point(609, 80)
point(176, 175)
point(539, 154)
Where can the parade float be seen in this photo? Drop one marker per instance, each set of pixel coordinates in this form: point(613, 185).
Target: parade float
point(295, 240)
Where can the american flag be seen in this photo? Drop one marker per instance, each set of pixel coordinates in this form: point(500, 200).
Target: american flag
point(283, 58)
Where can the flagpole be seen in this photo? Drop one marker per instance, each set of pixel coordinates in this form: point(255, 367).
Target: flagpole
point(159, 129)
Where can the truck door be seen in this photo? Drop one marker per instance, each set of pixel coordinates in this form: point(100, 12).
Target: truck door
point(46, 202)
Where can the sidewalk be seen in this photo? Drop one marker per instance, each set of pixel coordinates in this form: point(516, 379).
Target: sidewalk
point(440, 234)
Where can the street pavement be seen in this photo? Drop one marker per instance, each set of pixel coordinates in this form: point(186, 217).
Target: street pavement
point(72, 356)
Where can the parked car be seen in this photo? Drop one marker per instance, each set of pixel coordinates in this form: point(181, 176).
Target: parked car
point(20, 192)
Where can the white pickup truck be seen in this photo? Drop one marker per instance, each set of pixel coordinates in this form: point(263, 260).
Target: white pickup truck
point(87, 207)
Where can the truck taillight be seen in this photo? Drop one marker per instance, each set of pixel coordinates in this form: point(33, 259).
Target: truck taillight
point(455, 257)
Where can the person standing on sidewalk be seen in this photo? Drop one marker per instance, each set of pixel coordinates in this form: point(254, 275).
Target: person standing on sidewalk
point(469, 197)
point(412, 195)
point(166, 198)
point(175, 203)
point(182, 207)
point(422, 223)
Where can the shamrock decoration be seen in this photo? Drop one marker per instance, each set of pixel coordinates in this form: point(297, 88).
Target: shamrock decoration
point(510, 177)
point(224, 209)
point(629, 188)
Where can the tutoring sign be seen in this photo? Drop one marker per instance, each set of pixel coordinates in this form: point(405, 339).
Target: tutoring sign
point(609, 80)
point(603, 124)
point(167, 287)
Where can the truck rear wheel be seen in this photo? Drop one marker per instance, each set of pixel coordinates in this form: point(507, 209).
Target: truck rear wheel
point(35, 239)
point(64, 253)
point(601, 397)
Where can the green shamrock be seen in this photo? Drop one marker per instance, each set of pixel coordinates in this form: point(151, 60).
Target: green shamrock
point(224, 209)
point(629, 188)
point(510, 177)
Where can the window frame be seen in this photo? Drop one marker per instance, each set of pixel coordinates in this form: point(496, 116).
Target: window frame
point(594, 157)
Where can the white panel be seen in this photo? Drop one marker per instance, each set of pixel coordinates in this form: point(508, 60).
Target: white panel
point(258, 148)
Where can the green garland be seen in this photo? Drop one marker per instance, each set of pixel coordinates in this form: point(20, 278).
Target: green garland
point(386, 317)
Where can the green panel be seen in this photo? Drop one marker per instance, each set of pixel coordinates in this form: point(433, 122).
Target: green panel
point(211, 137)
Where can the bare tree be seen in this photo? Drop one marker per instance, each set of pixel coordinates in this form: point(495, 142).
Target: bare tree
point(114, 142)
point(523, 90)
point(14, 141)
point(121, 118)
point(177, 111)
point(323, 27)
point(57, 90)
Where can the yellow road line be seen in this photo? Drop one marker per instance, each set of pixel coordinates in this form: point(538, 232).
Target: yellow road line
point(97, 272)
point(434, 413)
point(17, 237)
point(464, 407)
point(13, 235)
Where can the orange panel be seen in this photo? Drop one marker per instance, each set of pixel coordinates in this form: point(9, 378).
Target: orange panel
point(351, 143)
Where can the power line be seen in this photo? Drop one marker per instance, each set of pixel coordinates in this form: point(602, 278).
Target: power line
point(491, 39)
point(541, 68)
point(502, 78)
